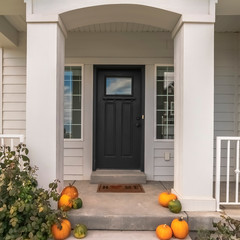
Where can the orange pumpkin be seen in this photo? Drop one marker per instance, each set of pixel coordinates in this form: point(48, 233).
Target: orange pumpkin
point(64, 232)
point(165, 197)
point(71, 191)
point(65, 202)
point(164, 232)
point(180, 228)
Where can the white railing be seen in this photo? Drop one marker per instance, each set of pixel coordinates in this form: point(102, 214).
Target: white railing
point(10, 137)
point(232, 152)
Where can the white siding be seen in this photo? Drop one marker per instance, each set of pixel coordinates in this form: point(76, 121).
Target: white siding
point(14, 89)
point(73, 160)
point(226, 119)
point(163, 170)
point(226, 83)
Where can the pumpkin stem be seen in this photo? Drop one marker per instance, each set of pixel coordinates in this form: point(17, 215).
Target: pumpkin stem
point(72, 183)
point(181, 218)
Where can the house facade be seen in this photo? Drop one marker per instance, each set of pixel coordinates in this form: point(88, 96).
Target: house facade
point(130, 85)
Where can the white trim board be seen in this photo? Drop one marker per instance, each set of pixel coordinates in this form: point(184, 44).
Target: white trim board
point(1, 95)
point(119, 60)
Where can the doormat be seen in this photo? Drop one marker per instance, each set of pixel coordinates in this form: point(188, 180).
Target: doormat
point(120, 188)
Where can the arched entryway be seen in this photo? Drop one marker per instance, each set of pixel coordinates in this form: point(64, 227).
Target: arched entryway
point(193, 51)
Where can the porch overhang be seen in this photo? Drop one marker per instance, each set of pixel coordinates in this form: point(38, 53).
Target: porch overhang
point(120, 13)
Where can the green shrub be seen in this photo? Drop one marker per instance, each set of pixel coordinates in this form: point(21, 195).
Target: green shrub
point(226, 229)
point(25, 209)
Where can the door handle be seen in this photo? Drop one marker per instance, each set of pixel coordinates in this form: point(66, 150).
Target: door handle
point(138, 125)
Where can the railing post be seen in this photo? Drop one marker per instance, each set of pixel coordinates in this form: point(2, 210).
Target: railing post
point(218, 164)
point(237, 171)
point(228, 170)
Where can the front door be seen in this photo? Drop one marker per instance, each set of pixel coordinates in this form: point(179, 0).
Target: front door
point(118, 117)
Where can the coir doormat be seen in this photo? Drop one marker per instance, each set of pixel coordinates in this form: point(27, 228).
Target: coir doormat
point(120, 188)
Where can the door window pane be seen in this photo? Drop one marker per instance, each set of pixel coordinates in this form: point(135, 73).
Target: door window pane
point(72, 101)
point(118, 86)
point(165, 103)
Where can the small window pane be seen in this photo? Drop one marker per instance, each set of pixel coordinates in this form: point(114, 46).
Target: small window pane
point(118, 86)
point(160, 117)
point(161, 89)
point(76, 131)
point(76, 102)
point(165, 103)
point(72, 101)
point(76, 116)
point(76, 87)
point(72, 131)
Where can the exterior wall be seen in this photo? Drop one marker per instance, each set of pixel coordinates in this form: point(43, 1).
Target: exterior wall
point(14, 89)
point(227, 80)
point(152, 45)
point(226, 84)
point(120, 48)
point(124, 48)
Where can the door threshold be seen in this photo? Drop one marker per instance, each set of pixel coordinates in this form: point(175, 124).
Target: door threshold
point(118, 176)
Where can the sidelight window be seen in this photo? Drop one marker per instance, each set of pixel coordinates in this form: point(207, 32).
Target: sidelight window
point(165, 102)
point(72, 102)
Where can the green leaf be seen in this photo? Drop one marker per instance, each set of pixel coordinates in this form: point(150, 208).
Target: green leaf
point(25, 158)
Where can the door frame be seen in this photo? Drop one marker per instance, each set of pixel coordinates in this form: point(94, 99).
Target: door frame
point(118, 67)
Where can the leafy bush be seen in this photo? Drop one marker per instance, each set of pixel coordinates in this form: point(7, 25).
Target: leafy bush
point(226, 229)
point(25, 209)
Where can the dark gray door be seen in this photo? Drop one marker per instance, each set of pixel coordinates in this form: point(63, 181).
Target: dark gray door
point(118, 117)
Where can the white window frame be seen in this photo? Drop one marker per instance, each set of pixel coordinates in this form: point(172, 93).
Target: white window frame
point(155, 103)
point(82, 102)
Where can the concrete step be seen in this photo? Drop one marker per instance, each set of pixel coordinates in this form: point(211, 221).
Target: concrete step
point(120, 235)
point(121, 211)
point(118, 176)
point(135, 211)
point(121, 222)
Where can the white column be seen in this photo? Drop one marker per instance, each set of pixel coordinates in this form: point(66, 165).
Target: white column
point(45, 83)
point(194, 111)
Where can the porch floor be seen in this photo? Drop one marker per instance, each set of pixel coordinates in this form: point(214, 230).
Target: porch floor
point(133, 211)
